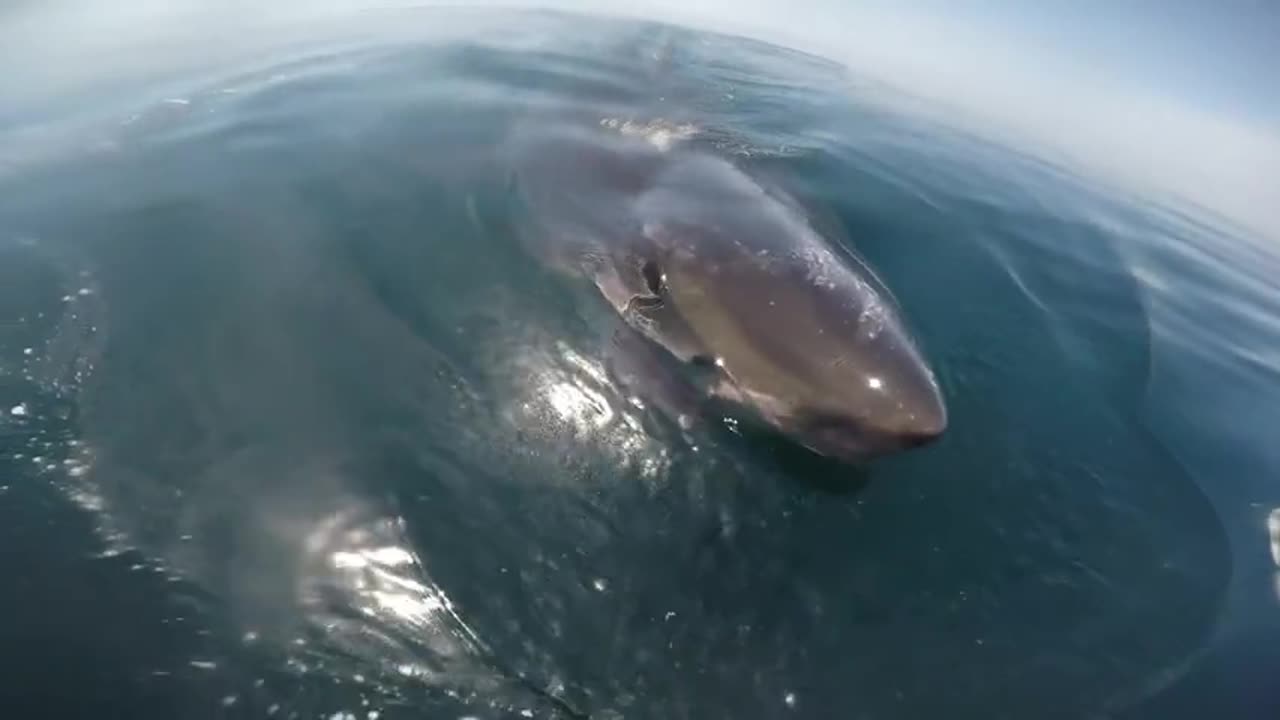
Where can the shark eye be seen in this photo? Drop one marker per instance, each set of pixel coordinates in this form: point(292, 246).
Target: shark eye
point(653, 277)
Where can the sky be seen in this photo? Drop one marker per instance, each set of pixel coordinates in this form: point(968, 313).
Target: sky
point(1218, 54)
point(1168, 98)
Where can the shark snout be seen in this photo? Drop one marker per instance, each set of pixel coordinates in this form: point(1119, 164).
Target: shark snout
point(909, 414)
point(923, 418)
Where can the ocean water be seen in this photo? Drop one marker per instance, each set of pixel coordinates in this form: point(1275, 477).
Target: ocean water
point(293, 426)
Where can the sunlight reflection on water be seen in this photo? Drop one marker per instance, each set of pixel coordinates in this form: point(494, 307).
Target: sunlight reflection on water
point(365, 564)
point(570, 393)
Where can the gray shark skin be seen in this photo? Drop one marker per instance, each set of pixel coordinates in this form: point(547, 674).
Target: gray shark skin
point(728, 277)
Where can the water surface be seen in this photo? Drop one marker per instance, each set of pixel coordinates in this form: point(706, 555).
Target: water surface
point(295, 427)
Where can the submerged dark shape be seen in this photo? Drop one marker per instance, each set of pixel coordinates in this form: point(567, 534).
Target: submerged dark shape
point(729, 277)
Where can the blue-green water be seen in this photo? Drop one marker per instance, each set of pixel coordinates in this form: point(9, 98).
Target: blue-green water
point(294, 427)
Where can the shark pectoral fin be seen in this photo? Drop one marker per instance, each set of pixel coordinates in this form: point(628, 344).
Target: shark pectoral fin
point(613, 287)
point(650, 377)
point(642, 311)
point(644, 303)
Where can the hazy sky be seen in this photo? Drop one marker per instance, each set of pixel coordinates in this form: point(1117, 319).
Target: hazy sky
point(1220, 54)
point(1166, 98)
point(1159, 96)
